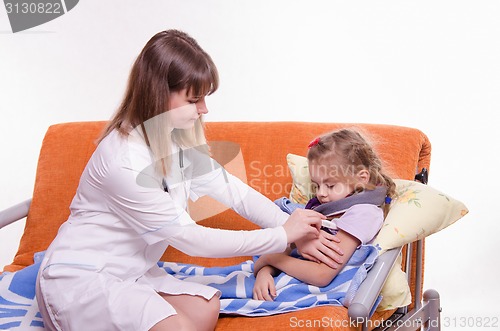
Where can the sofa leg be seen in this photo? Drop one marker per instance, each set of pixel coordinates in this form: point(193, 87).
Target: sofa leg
point(431, 299)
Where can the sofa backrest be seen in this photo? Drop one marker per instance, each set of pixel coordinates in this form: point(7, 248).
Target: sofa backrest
point(258, 156)
point(264, 146)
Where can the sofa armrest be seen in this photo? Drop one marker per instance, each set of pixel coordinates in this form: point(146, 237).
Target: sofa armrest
point(368, 292)
point(14, 213)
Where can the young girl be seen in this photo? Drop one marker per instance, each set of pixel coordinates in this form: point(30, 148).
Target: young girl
point(100, 272)
point(342, 165)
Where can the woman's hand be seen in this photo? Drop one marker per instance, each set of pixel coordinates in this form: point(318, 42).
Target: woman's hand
point(321, 249)
point(264, 287)
point(301, 223)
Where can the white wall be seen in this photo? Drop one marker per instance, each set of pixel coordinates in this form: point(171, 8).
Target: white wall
point(433, 65)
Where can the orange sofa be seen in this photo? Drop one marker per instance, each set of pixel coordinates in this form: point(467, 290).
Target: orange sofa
point(258, 156)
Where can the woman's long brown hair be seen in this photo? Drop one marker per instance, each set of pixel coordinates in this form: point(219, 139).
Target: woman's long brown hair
point(171, 61)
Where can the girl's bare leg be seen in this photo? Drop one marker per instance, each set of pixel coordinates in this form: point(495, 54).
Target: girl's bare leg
point(193, 313)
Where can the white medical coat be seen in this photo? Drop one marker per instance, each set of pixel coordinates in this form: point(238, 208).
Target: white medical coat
point(101, 273)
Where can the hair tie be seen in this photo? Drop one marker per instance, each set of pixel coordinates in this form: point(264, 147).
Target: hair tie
point(314, 142)
point(388, 200)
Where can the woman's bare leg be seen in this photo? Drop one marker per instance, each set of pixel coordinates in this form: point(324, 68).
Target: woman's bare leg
point(193, 313)
point(174, 322)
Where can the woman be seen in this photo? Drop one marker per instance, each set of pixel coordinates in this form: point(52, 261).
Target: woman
point(100, 272)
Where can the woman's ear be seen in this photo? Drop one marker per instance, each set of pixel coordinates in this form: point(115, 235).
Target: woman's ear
point(363, 176)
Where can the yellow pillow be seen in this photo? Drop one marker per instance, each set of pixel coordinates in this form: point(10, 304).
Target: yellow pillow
point(417, 211)
point(396, 291)
point(301, 191)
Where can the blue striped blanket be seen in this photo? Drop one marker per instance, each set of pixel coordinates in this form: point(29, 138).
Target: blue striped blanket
point(19, 309)
point(18, 306)
point(236, 284)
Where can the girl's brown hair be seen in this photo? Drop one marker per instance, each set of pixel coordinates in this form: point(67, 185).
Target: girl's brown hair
point(350, 153)
point(171, 61)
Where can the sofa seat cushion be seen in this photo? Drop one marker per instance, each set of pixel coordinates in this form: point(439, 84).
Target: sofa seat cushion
point(317, 318)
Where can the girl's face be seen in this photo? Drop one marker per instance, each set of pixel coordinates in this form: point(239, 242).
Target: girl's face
point(185, 109)
point(331, 185)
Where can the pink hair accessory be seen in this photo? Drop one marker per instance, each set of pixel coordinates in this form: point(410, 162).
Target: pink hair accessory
point(314, 142)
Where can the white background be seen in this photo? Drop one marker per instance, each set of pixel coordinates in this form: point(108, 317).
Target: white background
point(433, 65)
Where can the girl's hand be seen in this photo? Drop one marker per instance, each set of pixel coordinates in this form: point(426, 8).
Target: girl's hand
point(301, 223)
point(264, 287)
point(322, 249)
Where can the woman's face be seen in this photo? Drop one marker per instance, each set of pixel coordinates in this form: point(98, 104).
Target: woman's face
point(185, 109)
